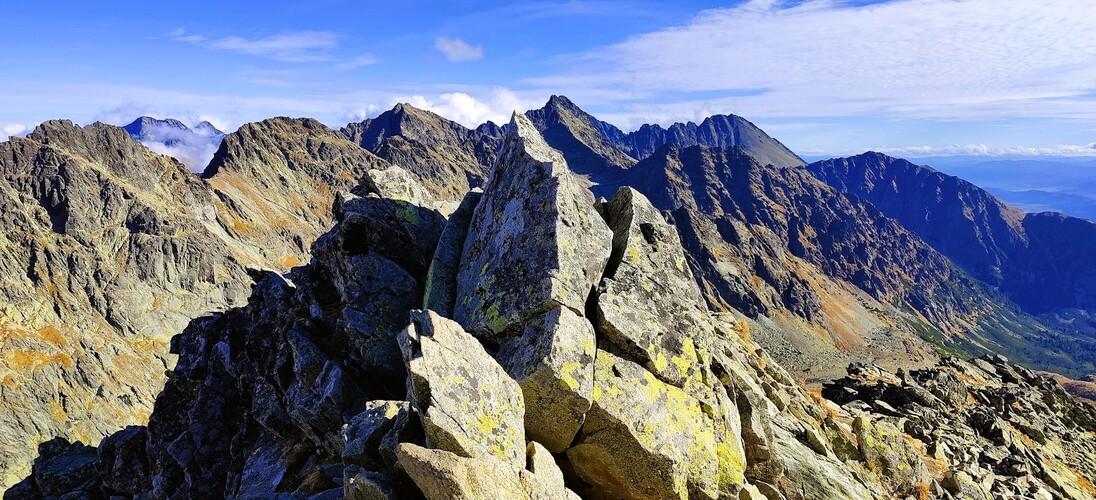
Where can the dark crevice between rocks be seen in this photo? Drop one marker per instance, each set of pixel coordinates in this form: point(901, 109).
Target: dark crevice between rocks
point(618, 223)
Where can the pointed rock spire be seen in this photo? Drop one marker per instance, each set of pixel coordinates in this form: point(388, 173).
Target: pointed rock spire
point(535, 241)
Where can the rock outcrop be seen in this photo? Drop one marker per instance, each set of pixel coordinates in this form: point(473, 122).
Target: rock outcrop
point(984, 429)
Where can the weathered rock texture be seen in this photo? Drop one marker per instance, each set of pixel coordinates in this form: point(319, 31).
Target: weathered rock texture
point(983, 429)
point(535, 241)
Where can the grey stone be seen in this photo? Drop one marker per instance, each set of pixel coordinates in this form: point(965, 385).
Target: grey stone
point(553, 361)
point(467, 402)
point(535, 241)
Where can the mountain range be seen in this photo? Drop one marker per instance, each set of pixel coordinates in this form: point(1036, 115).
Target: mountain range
point(110, 250)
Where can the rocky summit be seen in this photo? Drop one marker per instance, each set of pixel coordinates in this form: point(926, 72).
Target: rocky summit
point(408, 308)
point(570, 354)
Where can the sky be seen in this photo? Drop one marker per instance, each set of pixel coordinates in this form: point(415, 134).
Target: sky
point(911, 78)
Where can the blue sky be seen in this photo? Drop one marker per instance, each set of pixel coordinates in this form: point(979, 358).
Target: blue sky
point(909, 77)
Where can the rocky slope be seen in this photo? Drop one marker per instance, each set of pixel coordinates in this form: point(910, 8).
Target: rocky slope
point(579, 359)
point(104, 254)
point(1040, 261)
point(989, 429)
point(274, 181)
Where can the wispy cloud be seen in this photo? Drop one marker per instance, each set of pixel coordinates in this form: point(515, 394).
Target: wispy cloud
point(359, 61)
point(970, 150)
point(289, 46)
point(942, 59)
point(457, 50)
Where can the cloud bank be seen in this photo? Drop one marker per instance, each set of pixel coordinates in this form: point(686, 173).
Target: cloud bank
point(939, 59)
point(13, 129)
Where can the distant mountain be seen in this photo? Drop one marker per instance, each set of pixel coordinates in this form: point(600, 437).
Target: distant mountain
point(718, 131)
point(447, 157)
point(593, 147)
point(1035, 201)
point(193, 147)
point(602, 151)
point(1042, 261)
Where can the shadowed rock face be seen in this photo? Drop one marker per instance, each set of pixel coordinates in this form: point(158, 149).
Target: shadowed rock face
point(1038, 260)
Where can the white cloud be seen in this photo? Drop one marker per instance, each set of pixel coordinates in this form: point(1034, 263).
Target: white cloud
point(12, 129)
point(289, 46)
point(192, 150)
point(970, 150)
point(457, 50)
point(357, 62)
point(463, 108)
point(360, 113)
point(944, 59)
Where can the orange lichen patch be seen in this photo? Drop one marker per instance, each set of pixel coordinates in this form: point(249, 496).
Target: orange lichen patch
point(25, 359)
point(744, 331)
point(9, 381)
point(969, 379)
point(936, 467)
point(290, 261)
point(56, 411)
point(50, 333)
point(1020, 435)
